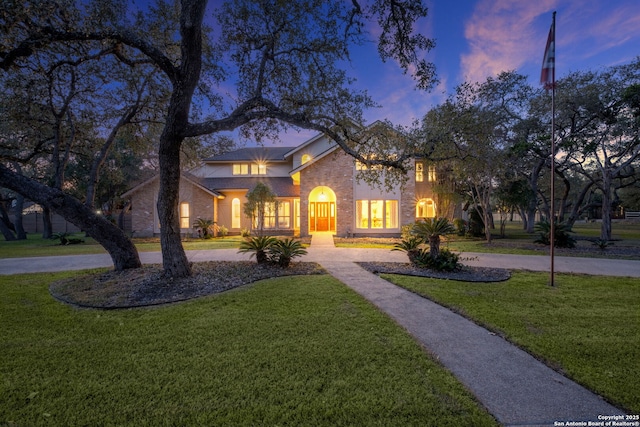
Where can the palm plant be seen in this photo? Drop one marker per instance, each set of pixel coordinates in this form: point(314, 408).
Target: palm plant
point(206, 227)
point(430, 230)
point(561, 236)
point(258, 246)
point(283, 251)
point(411, 246)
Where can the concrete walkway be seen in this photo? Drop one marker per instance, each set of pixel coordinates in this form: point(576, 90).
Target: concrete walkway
point(517, 389)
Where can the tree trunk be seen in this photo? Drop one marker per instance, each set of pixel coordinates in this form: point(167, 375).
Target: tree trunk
point(47, 224)
point(434, 246)
point(4, 224)
point(17, 218)
point(605, 228)
point(174, 259)
point(123, 252)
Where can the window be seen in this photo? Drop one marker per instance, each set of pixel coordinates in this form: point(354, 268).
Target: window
point(376, 214)
point(391, 214)
point(425, 208)
point(184, 215)
point(284, 215)
point(296, 213)
point(419, 172)
point(362, 214)
point(270, 215)
point(258, 169)
point(431, 174)
point(235, 213)
point(240, 169)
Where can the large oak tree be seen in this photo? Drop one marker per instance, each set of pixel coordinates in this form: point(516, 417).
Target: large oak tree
point(282, 62)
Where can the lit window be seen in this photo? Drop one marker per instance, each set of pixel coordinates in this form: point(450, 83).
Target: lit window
point(258, 169)
point(184, 215)
point(425, 208)
point(377, 213)
point(419, 172)
point(235, 213)
point(270, 215)
point(296, 212)
point(362, 213)
point(431, 174)
point(391, 214)
point(284, 215)
point(240, 169)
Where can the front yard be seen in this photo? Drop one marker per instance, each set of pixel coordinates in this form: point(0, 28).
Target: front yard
point(283, 351)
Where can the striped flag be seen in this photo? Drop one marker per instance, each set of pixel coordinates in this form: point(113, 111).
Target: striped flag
point(548, 74)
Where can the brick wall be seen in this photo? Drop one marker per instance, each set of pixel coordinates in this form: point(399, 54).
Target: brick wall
point(334, 171)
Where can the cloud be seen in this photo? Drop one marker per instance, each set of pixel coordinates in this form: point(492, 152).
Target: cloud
point(502, 35)
point(506, 35)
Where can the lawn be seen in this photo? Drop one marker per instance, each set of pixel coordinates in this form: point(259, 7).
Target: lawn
point(286, 351)
point(35, 245)
point(588, 327)
point(626, 242)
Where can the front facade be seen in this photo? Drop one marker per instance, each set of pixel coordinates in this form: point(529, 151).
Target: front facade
point(316, 187)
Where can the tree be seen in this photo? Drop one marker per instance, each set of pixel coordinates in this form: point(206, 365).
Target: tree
point(285, 59)
point(104, 232)
point(430, 230)
point(259, 200)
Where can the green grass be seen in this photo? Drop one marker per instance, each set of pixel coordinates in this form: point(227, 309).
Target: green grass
point(285, 351)
point(587, 327)
point(35, 245)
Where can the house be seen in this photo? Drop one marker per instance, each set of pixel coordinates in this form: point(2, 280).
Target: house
point(316, 188)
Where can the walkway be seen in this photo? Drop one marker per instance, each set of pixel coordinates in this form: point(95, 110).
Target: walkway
point(517, 389)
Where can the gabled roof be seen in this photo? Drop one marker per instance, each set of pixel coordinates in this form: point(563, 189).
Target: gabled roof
point(252, 154)
point(198, 182)
point(281, 186)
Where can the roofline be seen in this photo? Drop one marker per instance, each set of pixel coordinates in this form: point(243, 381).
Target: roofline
point(182, 175)
point(322, 155)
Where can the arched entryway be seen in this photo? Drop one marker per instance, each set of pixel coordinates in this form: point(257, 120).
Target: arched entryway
point(322, 209)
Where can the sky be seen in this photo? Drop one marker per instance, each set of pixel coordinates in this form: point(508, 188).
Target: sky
point(476, 39)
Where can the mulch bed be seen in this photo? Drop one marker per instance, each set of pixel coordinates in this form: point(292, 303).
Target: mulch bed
point(465, 274)
point(148, 286)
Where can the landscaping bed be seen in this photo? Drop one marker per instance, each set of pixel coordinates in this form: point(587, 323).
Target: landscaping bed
point(465, 274)
point(148, 286)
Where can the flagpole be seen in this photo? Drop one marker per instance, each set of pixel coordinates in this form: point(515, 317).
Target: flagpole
point(552, 236)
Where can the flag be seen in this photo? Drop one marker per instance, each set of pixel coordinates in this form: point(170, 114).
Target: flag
point(548, 74)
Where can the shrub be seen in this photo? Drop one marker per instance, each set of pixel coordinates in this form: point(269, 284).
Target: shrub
point(430, 230)
point(205, 227)
point(283, 251)
point(66, 239)
point(406, 231)
point(223, 231)
point(445, 261)
point(411, 246)
point(245, 232)
point(560, 233)
point(258, 246)
point(461, 226)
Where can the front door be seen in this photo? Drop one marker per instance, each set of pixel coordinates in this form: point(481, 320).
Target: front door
point(323, 216)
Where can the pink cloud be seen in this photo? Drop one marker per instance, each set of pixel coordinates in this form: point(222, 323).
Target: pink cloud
point(505, 35)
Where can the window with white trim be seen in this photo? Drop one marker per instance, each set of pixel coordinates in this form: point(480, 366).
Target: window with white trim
point(184, 215)
point(235, 213)
point(376, 214)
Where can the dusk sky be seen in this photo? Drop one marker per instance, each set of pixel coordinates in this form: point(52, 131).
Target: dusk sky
point(480, 38)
